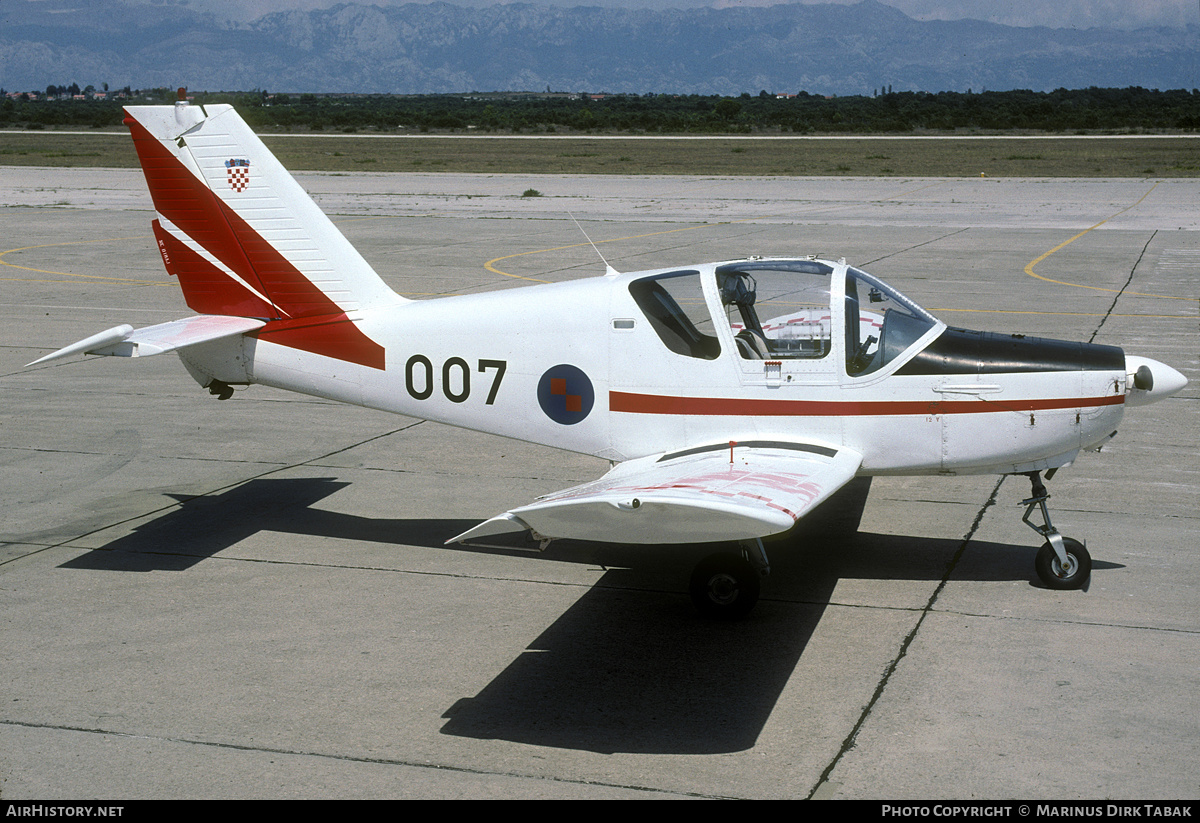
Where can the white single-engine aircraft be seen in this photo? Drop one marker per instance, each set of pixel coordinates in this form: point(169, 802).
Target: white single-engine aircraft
point(733, 398)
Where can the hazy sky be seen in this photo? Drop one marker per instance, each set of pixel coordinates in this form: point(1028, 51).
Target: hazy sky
point(1121, 14)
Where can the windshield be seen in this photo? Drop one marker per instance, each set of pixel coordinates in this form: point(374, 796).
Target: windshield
point(881, 323)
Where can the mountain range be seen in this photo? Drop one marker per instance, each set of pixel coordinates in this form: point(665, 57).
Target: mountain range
point(439, 48)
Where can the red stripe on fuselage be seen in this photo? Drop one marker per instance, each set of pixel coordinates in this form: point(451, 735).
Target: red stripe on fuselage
point(749, 407)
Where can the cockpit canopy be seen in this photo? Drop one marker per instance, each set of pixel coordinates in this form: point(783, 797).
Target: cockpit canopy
point(784, 310)
point(778, 309)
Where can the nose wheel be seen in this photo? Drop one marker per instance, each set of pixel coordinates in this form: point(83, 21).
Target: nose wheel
point(1057, 574)
point(1062, 562)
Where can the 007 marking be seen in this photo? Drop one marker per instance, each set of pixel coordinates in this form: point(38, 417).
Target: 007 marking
point(456, 378)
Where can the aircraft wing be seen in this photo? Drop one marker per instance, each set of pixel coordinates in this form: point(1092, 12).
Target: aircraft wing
point(710, 493)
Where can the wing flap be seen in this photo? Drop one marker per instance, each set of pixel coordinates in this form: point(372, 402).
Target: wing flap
point(702, 495)
point(125, 341)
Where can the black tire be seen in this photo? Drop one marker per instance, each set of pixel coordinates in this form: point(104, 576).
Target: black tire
point(1052, 573)
point(725, 586)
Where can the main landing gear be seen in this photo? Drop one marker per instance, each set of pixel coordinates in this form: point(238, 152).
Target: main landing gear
point(726, 585)
point(1062, 562)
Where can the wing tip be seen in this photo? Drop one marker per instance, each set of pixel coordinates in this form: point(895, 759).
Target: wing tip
point(507, 523)
point(108, 337)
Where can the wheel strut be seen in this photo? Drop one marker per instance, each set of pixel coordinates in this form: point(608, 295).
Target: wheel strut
point(1047, 531)
point(756, 554)
point(1062, 563)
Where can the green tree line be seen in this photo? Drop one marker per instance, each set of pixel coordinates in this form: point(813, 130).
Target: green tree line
point(1128, 110)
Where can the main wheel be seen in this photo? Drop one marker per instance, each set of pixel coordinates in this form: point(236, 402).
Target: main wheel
point(1057, 576)
point(724, 586)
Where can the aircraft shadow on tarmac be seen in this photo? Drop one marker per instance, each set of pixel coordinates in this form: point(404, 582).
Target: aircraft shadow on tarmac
point(629, 667)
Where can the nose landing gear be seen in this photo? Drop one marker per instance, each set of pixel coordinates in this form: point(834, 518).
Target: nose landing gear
point(1062, 562)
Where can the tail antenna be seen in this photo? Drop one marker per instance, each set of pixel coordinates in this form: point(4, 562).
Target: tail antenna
point(609, 271)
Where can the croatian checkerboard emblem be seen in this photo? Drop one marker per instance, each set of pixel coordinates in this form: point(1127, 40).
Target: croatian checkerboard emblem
point(237, 172)
point(565, 394)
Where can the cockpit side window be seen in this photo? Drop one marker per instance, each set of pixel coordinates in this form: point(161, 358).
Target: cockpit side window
point(881, 323)
point(778, 310)
point(674, 304)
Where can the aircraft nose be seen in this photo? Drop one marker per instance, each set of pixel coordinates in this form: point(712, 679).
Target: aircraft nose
point(1149, 380)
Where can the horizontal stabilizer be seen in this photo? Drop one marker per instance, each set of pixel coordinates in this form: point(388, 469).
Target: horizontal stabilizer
point(125, 341)
point(703, 495)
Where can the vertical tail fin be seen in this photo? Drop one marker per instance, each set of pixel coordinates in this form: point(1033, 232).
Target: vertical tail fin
point(237, 230)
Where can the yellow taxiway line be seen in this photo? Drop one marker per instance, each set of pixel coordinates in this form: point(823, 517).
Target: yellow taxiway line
point(1029, 266)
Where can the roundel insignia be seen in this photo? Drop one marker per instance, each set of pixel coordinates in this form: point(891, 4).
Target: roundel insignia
point(565, 394)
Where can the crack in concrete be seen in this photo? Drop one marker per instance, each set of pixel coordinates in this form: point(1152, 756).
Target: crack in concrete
point(823, 786)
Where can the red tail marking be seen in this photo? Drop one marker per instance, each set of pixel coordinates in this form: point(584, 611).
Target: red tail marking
point(187, 202)
point(206, 288)
point(200, 214)
point(331, 336)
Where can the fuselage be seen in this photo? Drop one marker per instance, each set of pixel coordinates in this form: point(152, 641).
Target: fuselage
point(628, 365)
